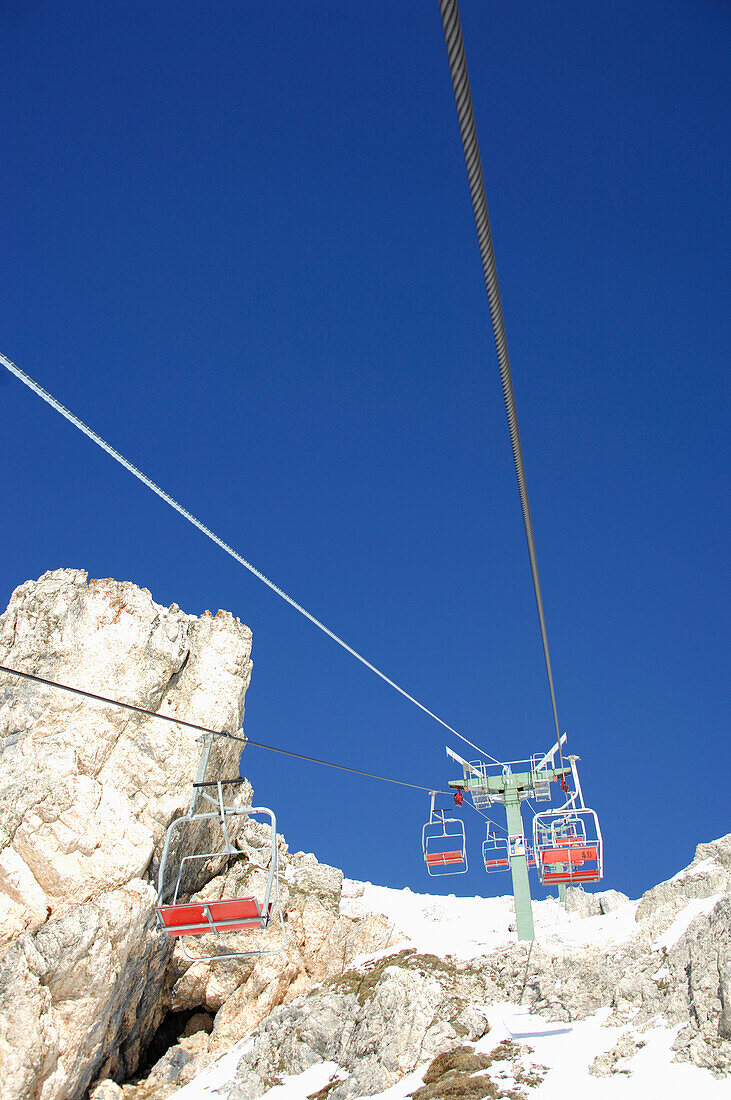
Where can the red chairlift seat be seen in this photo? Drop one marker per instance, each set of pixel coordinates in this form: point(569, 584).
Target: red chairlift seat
point(578, 875)
point(569, 854)
point(435, 859)
point(198, 918)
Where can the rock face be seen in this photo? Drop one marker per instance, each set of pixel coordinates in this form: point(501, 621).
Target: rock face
point(86, 793)
point(378, 1023)
point(382, 1019)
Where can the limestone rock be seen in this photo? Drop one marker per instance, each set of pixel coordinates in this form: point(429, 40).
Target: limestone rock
point(699, 968)
point(106, 1090)
point(71, 991)
point(377, 1023)
point(86, 793)
point(593, 905)
point(708, 874)
point(320, 944)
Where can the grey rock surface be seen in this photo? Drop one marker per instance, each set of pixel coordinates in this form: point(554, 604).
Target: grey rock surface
point(86, 793)
point(709, 873)
point(383, 1019)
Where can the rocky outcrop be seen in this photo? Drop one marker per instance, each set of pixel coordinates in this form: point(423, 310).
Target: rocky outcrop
point(77, 993)
point(377, 1022)
point(86, 793)
point(320, 944)
point(382, 1019)
point(708, 874)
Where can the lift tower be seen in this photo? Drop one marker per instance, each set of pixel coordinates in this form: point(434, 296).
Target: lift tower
point(511, 784)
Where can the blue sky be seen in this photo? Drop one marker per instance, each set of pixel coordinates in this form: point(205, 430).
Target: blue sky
point(237, 241)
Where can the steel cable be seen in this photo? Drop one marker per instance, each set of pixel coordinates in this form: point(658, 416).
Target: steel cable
point(92, 435)
point(463, 100)
point(204, 729)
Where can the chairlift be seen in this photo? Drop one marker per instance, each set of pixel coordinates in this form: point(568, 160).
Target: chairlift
point(568, 846)
point(443, 843)
point(497, 851)
point(182, 918)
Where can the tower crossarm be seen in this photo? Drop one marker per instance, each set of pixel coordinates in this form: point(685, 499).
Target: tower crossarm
point(522, 783)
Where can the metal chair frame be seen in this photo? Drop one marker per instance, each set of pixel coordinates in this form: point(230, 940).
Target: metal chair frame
point(572, 832)
point(447, 829)
point(263, 910)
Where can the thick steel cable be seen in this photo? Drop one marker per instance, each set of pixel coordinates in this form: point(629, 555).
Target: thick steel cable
point(204, 729)
point(463, 99)
point(73, 419)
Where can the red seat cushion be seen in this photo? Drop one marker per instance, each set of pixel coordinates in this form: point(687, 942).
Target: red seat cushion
point(229, 915)
point(571, 876)
point(569, 855)
point(439, 858)
point(497, 863)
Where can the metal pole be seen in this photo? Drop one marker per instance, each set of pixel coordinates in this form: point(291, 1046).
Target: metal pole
point(519, 868)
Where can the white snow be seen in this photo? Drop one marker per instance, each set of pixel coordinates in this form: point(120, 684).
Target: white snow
point(563, 1052)
point(208, 1084)
point(305, 1084)
point(693, 909)
point(470, 927)
point(704, 867)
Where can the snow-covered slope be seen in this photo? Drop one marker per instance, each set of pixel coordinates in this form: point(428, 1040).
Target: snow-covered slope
point(616, 998)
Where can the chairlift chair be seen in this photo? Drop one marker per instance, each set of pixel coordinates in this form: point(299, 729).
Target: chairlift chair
point(497, 850)
point(495, 853)
point(180, 919)
point(443, 843)
point(568, 846)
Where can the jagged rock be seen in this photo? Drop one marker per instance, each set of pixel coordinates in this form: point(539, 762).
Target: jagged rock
point(106, 1090)
point(593, 905)
point(87, 790)
point(86, 793)
point(317, 880)
point(699, 968)
point(320, 944)
point(398, 1011)
point(610, 1063)
point(71, 990)
point(709, 873)
point(609, 900)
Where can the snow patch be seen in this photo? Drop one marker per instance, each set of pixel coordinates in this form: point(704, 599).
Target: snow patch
point(208, 1084)
point(469, 927)
point(706, 866)
point(693, 909)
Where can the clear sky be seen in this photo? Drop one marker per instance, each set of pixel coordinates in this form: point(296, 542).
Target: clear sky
point(237, 241)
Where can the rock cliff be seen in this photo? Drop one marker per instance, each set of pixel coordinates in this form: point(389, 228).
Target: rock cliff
point(86, 794)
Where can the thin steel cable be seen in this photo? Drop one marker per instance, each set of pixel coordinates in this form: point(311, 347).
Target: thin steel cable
point(73, 419)
point(204, 729)
point(463, 100)
point(489, 819)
